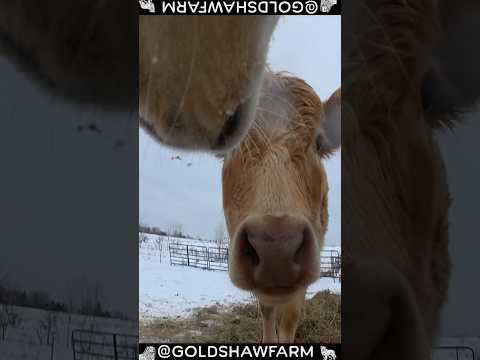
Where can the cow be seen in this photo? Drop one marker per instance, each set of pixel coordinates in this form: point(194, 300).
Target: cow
point(275, 197)
point(200, 103)
point(401, 83)
point(194, 80)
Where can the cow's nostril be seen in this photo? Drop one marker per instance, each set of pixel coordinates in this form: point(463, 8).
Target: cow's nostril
point(229, 128)
point(274, 254)
point(249, 252)
point(302, 246)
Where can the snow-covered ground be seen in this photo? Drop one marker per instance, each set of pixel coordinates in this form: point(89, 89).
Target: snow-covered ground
point(28, 340)
point(171, 291)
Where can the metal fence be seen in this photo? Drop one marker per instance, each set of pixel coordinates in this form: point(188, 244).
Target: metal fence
point(216, 258)
point(453, 353)
point(330, 263)
point(203, 257)
point(95, 345)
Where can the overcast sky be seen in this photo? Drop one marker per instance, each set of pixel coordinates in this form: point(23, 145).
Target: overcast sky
point(460, 149)
point(172, 191)
point(66, 197)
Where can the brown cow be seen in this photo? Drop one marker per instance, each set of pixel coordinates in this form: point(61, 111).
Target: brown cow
point(87, 52)
point(198, 77)
point(275, 196)
point(398, 86)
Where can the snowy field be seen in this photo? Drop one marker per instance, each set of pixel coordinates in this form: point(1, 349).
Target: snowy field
point(41, 332)
point(171, 291)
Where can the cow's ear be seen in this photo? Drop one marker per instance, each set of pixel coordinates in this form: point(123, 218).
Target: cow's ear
point(220, 155)
point(450, 85)
point(328, 137)
point(443, 101)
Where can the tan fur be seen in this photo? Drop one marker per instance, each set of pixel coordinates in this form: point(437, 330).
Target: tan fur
point(86, 52)
point(394, 218)
point(196, 72)
point(198, 77)
point(275, 171)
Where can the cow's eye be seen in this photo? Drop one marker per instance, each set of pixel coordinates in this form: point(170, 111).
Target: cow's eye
point(438, 99)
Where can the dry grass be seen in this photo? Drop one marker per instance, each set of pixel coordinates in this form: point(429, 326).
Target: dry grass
point(242, 323)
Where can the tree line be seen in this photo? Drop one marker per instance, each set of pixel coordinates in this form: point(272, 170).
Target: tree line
point(90, 306)
point(175, 229)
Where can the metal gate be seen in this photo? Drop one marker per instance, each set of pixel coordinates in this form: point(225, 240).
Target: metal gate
point(207, 258)
point(95, 345)
point(216, 258)
point(330, 263)
point(453, 353)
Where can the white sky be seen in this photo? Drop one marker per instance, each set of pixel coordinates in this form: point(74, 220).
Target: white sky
point(171, 191)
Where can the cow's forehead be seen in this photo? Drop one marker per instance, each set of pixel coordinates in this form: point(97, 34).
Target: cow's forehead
point(279, 111)
point(288, 114)
point(276, 108)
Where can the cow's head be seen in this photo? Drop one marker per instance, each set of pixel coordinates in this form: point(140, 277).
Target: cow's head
point(275, 190)
point(399, 87)
point(200, 77)
point(196, 79)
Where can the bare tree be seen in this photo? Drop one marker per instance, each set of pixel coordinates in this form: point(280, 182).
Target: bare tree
point(3, 276)
point(170, 227)
point(179, 230)
point(92, 299)
point(143, 239)
point(144, 228)
point(221, 235)
point(47, 328)
point(159, 242)
point(4, 294)
point(9, 318)
point(174, 229)
point(70, 309)
point(40, 299)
